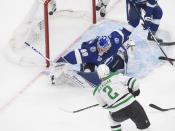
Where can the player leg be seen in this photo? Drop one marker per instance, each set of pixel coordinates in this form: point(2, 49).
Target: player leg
point(132, 15)
point(52, 7)
point(115, 126)
point(135, 112)
point(101, 5)
point(157, 15)
point(103, 8)
point(138, 115)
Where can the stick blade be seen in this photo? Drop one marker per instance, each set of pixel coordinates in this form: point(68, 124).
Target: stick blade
point(166, 58)
point(157, 107)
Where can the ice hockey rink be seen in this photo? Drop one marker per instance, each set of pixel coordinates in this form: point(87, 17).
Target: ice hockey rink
point(28, 101)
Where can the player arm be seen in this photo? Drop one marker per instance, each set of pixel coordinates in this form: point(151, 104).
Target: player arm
point(78, 56)
point(133, 86)
point(73, 57)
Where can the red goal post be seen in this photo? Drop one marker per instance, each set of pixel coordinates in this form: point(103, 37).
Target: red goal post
point(46, 26)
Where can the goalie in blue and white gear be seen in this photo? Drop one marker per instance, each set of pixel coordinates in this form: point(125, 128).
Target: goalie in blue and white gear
point(104, 49)
point(97, 51)
point(152, 16)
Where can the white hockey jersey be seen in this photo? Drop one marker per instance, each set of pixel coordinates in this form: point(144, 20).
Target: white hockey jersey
point(113, 93)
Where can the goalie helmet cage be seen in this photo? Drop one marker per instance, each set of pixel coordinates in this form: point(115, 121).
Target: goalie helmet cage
point(46, 26)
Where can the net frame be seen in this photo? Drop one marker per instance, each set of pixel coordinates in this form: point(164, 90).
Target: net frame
point(46, 26)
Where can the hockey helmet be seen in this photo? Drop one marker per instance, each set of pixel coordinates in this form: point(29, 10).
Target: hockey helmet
point(103, 44)
point(103, 71)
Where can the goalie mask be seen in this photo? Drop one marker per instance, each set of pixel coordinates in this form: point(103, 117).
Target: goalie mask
point(103, 71)
point(103, 44)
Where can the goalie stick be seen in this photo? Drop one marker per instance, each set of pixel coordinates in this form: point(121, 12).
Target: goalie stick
point(166, 58)
point(160, 109)
point(37, 51)
point(167, 43)
point(79, 110)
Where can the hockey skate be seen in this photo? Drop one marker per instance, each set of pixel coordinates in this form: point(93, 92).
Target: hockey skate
point(103, 11)
point(102, 8)
point(52, 7)
point(98, 6)
point(150, 38)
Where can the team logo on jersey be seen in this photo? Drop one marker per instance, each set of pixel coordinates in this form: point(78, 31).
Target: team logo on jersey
point(99, 58)
point(116, 40)
point(93, 49)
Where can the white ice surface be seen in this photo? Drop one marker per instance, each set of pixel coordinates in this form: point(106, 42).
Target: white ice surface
point(29, 103)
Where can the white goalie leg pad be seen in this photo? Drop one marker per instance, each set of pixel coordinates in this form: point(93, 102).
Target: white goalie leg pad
point(57, 71)
point(72, 76)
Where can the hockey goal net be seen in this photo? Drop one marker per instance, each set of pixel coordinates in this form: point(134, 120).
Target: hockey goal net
point(48, 25)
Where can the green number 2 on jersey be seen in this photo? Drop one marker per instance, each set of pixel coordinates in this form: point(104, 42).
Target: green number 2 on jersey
point(110, 92)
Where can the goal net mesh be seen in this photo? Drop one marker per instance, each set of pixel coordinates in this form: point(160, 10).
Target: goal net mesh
point(64, 17)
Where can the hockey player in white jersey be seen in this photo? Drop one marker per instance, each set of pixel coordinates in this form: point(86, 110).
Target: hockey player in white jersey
point(117, 94)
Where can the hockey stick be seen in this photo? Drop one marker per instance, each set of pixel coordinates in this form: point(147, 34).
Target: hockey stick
point(167, 43)
point(79, 110)
point(158, 44)
point(164, 58)
point(160, 109)
point(37, 51)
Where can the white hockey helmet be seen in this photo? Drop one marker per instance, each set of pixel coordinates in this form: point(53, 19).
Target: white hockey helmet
point(103, 71)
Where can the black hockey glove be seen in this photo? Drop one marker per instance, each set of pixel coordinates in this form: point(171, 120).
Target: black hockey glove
point(134, 93)
point(147, 23)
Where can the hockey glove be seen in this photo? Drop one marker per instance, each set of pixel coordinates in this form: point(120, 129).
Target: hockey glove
point(147, 23)
point(134, 93)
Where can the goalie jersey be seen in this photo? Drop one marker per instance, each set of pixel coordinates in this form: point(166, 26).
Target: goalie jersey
point(89, 53)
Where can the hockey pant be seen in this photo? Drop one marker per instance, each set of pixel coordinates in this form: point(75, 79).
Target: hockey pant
point(134, 18)
point(115, 64)
point(135, 112)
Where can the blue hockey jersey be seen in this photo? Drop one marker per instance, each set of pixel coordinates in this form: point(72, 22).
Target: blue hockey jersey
point(89, 52)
